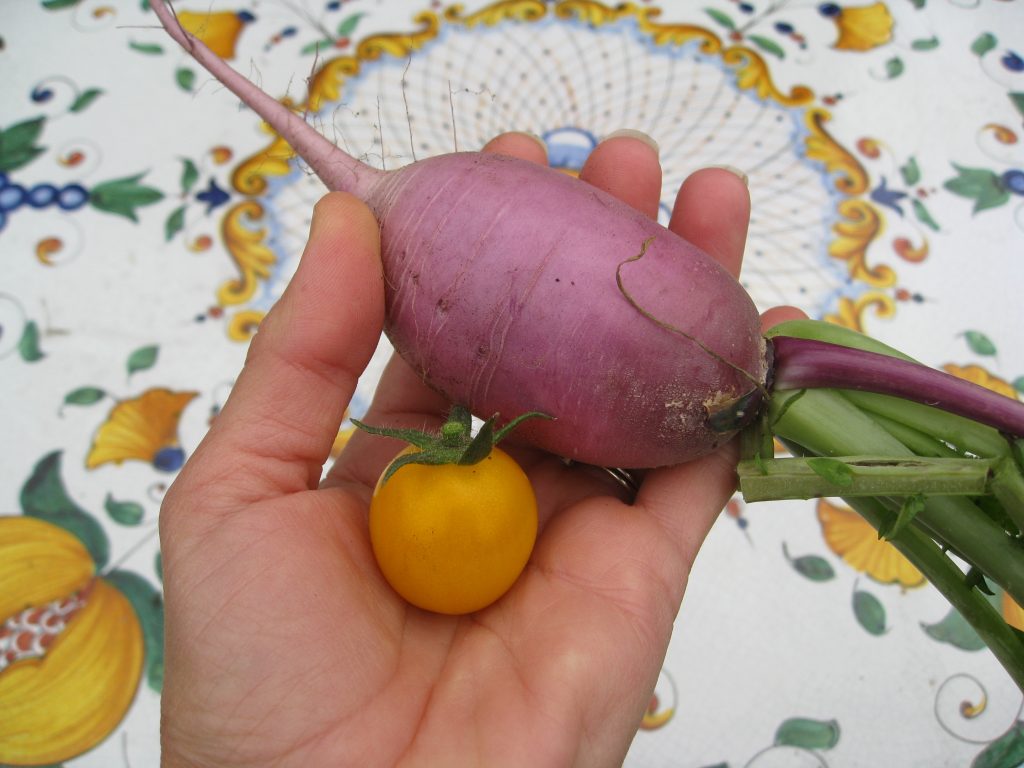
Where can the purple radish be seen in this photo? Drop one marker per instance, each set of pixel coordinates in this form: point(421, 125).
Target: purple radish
point(502, 293)
point(513, 288)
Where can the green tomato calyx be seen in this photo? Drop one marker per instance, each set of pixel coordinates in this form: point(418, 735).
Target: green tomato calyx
point(455, 444)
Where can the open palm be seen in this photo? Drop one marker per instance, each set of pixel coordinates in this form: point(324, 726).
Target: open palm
point(285, 646)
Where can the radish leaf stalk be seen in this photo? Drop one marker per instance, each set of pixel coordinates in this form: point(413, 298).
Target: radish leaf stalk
point(800, 478)
point(936, 566)
point(824, 423)
point(803, 363)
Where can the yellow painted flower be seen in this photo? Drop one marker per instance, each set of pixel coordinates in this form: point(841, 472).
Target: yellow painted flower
point(978, 375)
point(218, 30)
point(1012, 612)
point(71, 646)
point(144, 428)
point(860, 28)
point(853, 539)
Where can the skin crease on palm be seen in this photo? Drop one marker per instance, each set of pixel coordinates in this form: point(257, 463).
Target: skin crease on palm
point(285, 646)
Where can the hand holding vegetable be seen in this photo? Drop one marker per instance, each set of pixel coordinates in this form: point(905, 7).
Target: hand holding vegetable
point(509, 288)
point(285, 645)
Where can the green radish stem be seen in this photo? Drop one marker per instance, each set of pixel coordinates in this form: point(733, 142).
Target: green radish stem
point(921, 550)
point(826, 424)
point(936, 566)
point(816, 477)
point(982, 527)
point(963, 435)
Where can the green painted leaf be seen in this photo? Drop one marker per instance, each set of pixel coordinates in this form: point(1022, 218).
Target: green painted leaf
point(175, 223)
point(318, 45)
point(44, 497)
point(18, 144)
point(910, 172)
point(807, 734)
point(812, 567)
point(925, 44)
point(918, 4)
point(983, 44)
point(142, 358)
point(1018, 384)
point(84, 99)
point(149, 607)
point(123, 196)
point(28, 345)
point(833, 470)
point(979, 184)
point(924, 216)
point(189, 176)
point(954, 630)
point(1005, 752)
point(124, 512)
point(894, 67)
point(185, 78)
point(54, 5)
point(869, 611)
point(767, 45)
point(84, 396)
point(348, 25)
point(150, 49)
point(980, 344)
point(721, 18)
point(158, 565)
point(1018, 101)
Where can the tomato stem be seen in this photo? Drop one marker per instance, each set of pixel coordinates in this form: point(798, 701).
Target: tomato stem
point(454, 443)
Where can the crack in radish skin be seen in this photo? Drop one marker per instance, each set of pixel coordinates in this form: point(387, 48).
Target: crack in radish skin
point(498, 334)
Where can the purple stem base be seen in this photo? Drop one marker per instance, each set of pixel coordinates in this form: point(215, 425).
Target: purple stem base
point(807, 363)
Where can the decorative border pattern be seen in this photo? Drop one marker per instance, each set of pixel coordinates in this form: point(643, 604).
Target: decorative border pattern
point(859, 221)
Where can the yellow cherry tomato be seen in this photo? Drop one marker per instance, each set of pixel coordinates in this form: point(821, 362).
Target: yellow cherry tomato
point(451, 538)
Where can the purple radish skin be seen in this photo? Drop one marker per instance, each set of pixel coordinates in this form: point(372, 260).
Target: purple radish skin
point(502, 294)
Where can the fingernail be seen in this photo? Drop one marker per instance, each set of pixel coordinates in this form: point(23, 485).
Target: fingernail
point(734, 171)
point(631, 133)
point(540, 142)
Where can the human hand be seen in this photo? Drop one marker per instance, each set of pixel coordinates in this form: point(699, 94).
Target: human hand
point(285, 646)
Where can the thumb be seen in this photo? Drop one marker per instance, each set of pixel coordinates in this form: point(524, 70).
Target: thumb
point(276, 429)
